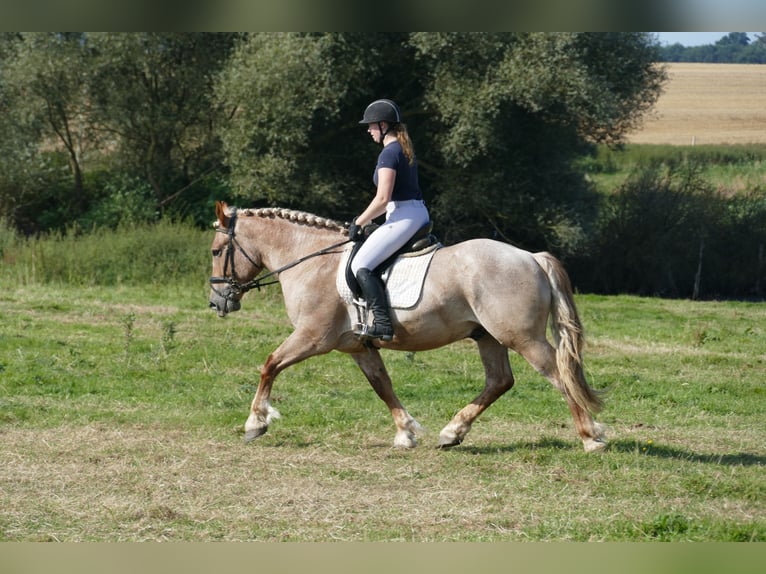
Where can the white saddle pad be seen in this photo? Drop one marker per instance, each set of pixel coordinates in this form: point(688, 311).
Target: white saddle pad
point(404, 279)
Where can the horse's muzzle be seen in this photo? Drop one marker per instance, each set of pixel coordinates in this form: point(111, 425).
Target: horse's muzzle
point(222, 304)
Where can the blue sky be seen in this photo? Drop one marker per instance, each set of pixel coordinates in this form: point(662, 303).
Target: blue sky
point(692, 38)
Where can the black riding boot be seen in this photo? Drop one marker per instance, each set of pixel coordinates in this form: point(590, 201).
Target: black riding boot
point(375, 294)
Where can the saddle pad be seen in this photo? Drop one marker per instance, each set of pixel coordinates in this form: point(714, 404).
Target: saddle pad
point(404, 279)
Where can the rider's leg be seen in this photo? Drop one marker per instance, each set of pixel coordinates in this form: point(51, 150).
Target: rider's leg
point(375, 295)
point(402, 222)
point(400, 225)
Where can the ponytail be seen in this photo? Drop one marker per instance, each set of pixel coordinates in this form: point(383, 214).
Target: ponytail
point(400, 130)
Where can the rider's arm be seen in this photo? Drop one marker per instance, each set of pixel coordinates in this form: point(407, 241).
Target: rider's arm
point(377, 207)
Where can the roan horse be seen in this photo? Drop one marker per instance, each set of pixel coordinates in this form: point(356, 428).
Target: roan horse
point(492, 292)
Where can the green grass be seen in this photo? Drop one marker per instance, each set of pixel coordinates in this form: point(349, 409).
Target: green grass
point(121, 409)
point(730, 169)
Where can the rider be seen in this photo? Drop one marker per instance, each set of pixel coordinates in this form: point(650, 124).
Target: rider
point(399, 197)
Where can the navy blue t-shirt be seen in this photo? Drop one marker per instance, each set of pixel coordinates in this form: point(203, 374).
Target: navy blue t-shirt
point(406, 185)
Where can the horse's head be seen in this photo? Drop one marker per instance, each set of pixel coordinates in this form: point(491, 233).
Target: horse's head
point(233, 268)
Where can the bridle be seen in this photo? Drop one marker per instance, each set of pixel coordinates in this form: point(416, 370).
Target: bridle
point(235, 287)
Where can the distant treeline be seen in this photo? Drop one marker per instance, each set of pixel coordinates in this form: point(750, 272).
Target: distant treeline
point(734, 48)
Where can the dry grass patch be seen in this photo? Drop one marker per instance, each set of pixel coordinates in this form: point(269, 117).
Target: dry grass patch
point(708, 104)
point(138, 483)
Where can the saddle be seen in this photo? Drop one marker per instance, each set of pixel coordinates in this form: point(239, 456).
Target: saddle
point(422, 239)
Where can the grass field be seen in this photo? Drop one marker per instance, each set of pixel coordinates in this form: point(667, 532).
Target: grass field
point(121, 411)
point(708, 104)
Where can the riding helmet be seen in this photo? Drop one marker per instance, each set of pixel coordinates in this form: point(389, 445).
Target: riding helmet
point(381, 111)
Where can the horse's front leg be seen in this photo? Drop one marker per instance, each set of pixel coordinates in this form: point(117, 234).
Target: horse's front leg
point(297, 347)
point(373, 368)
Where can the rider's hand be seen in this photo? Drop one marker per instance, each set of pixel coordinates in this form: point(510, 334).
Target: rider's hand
point(355, 232)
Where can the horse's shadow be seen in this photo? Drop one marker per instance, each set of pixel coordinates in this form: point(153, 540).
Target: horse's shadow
point(635, 447)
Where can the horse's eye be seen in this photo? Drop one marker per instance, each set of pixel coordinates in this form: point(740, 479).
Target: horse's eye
point(216, 252)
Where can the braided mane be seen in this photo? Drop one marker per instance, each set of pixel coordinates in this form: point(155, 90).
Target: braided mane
point(300, 217)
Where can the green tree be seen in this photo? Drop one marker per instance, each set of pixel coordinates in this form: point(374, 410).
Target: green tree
point(515, 111)
point(151, 96)
point(119, 109)
point(497, 121)
point(667, 232)
point(673, 53)
point(734, 39)
point(294, 101)
point(45, 89)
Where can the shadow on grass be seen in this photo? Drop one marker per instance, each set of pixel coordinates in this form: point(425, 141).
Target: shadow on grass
point(663, 451)
point(623, 446)
point(539, 444)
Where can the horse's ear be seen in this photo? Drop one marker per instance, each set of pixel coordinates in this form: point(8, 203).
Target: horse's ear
point(220, 212)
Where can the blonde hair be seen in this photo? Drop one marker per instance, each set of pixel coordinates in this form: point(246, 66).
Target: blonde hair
point(400, 131)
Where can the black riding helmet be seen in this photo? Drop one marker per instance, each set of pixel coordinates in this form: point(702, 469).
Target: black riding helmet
point(382, 111)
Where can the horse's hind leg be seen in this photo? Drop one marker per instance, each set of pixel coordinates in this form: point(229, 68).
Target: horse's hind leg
point(499, 379)
point(373, 368)
point(542, 356)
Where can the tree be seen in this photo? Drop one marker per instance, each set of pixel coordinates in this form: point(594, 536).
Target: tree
point(497, 120)
point(151, 95)
point(673, 53)
point(46, 89)
point(136, 108)
point(734, 39)
point(516, 110)
point(294, 101)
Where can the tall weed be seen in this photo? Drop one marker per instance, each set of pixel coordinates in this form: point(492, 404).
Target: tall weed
point(8, 239)
point(166, 252)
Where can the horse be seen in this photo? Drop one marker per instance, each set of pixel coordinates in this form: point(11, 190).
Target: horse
point(494, 293)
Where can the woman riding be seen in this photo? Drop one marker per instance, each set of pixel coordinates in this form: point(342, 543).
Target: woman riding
point(399, 196)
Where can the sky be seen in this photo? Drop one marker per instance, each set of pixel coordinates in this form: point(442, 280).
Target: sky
point(692, 38)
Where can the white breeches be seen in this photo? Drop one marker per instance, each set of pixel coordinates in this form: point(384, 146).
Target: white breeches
point(403, 220)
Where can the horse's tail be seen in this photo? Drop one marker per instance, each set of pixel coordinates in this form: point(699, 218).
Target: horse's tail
point(567, 333)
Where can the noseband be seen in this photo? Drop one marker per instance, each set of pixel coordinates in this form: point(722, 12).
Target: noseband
point(235, 287)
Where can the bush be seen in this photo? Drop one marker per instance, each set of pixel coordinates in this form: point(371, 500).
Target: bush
point(121, 199)
point(666, 232)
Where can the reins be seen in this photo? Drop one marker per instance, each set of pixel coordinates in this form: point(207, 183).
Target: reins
point(238, 288)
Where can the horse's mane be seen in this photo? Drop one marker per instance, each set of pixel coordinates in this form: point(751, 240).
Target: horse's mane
point(300, 217)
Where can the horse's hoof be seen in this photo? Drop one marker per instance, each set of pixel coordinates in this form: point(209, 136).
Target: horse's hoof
point(444, 444)
point(594, 445)
point(252, 434)
point(452, 435)
point(405, 441)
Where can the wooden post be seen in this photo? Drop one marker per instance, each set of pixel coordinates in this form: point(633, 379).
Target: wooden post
point(698, 274)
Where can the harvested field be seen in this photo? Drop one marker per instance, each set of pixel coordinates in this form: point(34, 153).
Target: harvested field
point(708, 104)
